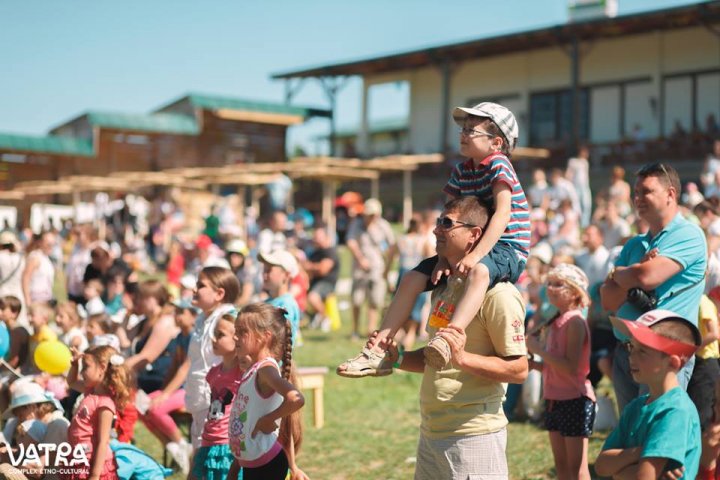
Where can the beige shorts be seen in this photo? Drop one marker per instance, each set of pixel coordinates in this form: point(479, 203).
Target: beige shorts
point(475, 457)
point(370, 287)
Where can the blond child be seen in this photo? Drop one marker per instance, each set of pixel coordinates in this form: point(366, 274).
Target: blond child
point(659, 431)
point(68, 319)
point(488, 133)
point(565, 354)
point(40, 316)
point(105, 381)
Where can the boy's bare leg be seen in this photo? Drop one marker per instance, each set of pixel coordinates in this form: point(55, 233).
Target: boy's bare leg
point(437, 353)
point(411, 285)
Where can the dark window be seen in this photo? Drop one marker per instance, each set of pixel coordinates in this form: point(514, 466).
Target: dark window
point(551, 117)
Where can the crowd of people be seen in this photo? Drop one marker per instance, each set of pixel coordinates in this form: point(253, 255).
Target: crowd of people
point(546, 286)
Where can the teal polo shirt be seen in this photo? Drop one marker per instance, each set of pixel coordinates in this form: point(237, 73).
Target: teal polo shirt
point(683, 242)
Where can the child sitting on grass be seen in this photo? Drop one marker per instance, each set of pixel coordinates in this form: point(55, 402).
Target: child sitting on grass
point(660, 431)
point(488, 133)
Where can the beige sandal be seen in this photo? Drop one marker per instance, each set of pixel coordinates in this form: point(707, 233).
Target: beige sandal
point(367, 363)
point(437, 353)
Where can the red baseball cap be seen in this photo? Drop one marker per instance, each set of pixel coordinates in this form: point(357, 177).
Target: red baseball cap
point(640, 330)
point(203, 242)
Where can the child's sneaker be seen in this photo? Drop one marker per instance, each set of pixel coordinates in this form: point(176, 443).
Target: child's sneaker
point(437, 353)
point(367, 363)
point(179, 452)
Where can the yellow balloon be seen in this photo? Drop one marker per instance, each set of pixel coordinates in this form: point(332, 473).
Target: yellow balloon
point(53, 357)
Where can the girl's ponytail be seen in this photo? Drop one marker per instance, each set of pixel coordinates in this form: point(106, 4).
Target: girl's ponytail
point(287, 351)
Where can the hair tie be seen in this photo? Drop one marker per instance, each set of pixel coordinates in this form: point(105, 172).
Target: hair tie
point(117, 360)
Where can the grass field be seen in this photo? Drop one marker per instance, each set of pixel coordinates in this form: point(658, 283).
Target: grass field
point(371, 424)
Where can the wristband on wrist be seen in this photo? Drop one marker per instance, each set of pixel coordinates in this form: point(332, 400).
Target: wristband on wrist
point(401, 355)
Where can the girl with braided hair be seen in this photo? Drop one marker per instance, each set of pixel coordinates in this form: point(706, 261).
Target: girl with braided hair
point(264, 448)
point(106, 382)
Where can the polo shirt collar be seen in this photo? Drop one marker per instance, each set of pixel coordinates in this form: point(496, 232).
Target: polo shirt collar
point(470, 163)
point(677, 219)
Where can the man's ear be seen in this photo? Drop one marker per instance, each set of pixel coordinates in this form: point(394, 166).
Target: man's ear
point(477, 233)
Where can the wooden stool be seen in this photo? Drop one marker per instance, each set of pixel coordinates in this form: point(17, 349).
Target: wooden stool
point(313, 378)
point(181, 418)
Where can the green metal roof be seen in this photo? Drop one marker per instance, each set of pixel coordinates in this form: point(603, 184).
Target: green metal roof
point(50, 144)
point(386, 125)
point(156, 122)
point(215, 102)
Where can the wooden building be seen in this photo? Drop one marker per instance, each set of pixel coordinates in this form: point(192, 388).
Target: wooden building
point(194, 130)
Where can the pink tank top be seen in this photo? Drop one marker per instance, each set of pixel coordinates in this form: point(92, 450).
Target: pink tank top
point(558, 384)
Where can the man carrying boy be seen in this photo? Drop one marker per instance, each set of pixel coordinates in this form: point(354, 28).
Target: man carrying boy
point(463, 426)
point(660, 431)
point(667, 263)
point(488, 133)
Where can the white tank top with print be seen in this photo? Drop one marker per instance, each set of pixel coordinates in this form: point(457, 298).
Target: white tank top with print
point(249, 406)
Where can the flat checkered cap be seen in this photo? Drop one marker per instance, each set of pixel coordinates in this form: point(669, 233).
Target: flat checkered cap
point(502, 117)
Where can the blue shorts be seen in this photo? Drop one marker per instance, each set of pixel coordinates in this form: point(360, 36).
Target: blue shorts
point(416, 314)
point(572, 418)
point(502, 263)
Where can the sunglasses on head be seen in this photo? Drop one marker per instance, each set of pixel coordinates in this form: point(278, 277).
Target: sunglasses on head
point(448, 223)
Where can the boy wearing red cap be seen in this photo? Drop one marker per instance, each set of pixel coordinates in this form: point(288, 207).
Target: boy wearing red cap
point(659, 431)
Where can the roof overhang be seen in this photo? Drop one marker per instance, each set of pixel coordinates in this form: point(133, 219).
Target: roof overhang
point(701, 14)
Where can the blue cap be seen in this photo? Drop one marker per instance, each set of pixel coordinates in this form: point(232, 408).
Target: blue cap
point(186, 304)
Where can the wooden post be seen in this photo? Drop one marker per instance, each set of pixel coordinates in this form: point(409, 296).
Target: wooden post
point(375, 188)
point(332, 222)
point(242, 192)
point(407, 198)
point(326, 207)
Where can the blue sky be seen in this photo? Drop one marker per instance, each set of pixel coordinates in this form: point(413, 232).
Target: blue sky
point(60, 58)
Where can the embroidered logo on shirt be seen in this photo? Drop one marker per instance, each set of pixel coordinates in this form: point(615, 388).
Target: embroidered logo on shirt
point(441, 315)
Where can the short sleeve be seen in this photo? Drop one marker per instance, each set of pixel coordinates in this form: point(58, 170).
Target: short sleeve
point(685, 246)
point(668, 435)
point(389, 234)
point(504, 314)
point(623, 258)
point(502, 171)
point(452, 187)
point(353, 232)
point(103, 401)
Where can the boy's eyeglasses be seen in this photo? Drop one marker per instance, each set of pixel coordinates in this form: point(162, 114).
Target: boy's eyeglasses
point(471, 132)
point(447, 223)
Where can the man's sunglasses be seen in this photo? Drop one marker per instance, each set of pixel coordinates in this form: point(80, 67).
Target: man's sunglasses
point(447, 223)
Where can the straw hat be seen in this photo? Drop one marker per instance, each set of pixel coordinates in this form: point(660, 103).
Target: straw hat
point(26, 393)
point(574, 277)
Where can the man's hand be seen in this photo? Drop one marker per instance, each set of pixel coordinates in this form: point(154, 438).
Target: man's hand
point(364, 264)
point(650, 255)
point(441, 268)
point(456, 338)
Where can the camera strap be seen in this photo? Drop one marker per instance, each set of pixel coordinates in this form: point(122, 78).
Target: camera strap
point(680, 290)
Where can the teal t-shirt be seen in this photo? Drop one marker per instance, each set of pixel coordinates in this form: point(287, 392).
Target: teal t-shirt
point(288, 302)
point(684, 243)
point(4, 340)
point(668, 428)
